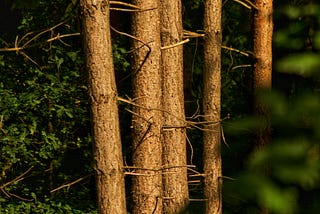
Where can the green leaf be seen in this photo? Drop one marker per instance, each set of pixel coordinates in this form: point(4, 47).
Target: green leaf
point(304, 64)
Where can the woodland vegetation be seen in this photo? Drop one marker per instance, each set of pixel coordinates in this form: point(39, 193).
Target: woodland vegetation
point(159, 106)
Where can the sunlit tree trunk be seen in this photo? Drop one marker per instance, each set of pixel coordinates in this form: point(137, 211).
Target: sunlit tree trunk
point(147, 117)
point(103, 94)
point(175, 181)
point(263, 30)
point(211, 106)
point(262, 80)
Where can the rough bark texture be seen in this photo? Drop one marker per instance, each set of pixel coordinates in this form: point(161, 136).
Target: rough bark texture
point(211, 106)
point(147, 121)
point(175, 181)
point(263, 29)
point(262, 48)
point(103, 94)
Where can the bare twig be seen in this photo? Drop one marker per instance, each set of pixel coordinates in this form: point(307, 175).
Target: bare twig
point(17, 179)
point(248, 4)
point(191, 148)
point(139, 40)
point(241, 66)
point(223, 137)
point(68, 185)
point(175, 45)
point(189, 34)
point(159, 169)
point(236, 50)
point(124, 4)
point(197, 199)
point(59, 37)
point(39, 34)
point(190, 123)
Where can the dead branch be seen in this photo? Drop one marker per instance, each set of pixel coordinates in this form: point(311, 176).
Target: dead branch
point(124, 4)
point(247, 54)
point(190, 123)
point(189, 34)
point(143, 44)
point(132, 7)
point(191, 148)
point(68, 185)
point(248, 4)
point(159, 169)
point(9, 195)
point(19, 46)
point(59, 37)
point(17, 179)
point(175, 45)
point(197, 199)
point(240, 66)
point(39, 34)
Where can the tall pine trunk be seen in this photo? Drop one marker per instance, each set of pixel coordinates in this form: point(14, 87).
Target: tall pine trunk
point(175, 181)
point(262, 48)
point(262, 80)
point(211, 106)
point(147, 119)
point(104, 109)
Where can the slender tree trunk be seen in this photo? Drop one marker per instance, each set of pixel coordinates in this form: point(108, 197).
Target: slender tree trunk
point(147, 119)
point(211, 106)
point(103, 93)
point(175, 180)
point(262, 80)
point(263, 30)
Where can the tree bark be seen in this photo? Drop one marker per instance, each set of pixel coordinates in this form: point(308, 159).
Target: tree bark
point(147, 117)
point(175, 180)
point(262, 38)
point(212, 107)
point(262, 74)
point(262, 48)
point(104, 109)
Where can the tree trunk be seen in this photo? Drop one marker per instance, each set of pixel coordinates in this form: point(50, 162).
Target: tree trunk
point(103, 94)
point(175, 180)
point(263, 29)
point(211, 106)
point(147, 117)
point(262, 80)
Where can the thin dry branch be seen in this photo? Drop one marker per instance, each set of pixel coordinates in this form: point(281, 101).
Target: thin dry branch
point(9, 195)
point(236, 50)
point(241, 66)
point(189, 123)
point(19, 46)
point(68, 185)
point(197, 199)
point(124, 4)
point(17, 179)
point(248, 4)
point(159, 169)
point(39, 34)
point(132, 7)
point(189, 34)
point(175, 45)
point(191, 148)
point(143, 44)
point(59, 37)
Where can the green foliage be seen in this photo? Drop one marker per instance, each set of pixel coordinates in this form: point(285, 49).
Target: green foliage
point(44, 119)
point(275, 176)
point(283, 176)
